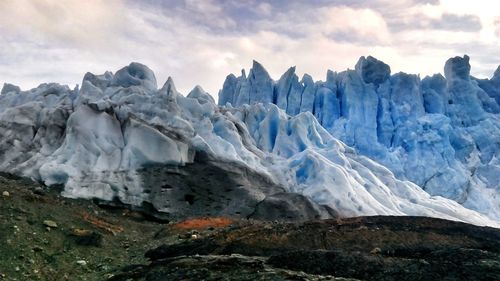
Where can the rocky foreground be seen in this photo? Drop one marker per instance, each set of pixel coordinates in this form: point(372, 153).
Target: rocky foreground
point(364, 248)
point(47, 237)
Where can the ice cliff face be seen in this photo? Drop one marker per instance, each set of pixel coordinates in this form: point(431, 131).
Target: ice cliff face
point(442, 133)
point(120, 138)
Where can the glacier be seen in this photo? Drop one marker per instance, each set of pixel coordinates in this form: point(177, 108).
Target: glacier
point(120, 138)
point(441, 133)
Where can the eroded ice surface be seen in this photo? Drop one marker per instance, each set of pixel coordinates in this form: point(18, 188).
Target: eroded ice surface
point(95, 140)
point(441, 133)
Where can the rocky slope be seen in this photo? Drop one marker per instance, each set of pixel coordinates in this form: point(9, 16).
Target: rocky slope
point(364, 248)
point(83, 241)
point(44, 236)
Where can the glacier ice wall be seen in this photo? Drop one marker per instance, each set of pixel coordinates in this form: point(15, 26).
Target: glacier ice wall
point(119, 137)
point(442, 133)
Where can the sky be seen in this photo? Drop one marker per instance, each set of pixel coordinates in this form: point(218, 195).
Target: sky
point(199, 42)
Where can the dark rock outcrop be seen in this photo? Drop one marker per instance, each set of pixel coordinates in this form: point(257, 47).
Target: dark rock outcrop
point(365, 248)
point(208, 187)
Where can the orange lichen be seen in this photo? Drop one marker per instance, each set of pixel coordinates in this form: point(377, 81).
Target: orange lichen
point(100, 223)
point(202, 223)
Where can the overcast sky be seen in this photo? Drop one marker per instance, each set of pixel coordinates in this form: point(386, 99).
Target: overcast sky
point(202, 41)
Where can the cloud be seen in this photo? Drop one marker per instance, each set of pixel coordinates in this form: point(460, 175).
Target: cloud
point(432, 22)
point(265, 9)
point(352, 25)
point(208, 12)
point(200, 42)
point(65, 22)
point(457, 22)
point(497, 27)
